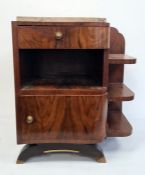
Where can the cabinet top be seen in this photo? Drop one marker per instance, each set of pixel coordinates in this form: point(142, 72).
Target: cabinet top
point(61, 21)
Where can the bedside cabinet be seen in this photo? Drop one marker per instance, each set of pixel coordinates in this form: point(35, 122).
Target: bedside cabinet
point(68, 85)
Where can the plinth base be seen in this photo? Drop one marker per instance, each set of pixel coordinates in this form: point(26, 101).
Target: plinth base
point(91, 150)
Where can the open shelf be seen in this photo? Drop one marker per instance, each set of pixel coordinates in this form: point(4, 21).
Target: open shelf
point(63, 90)
point(118, 125)
point(119, 92)
point(62, 85)
point(121, 59)
point(64, 81)
point(67, 67)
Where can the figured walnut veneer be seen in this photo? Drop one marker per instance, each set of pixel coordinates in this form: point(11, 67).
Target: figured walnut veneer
point(63, 119)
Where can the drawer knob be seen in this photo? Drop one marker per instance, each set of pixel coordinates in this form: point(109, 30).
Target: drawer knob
point(58, 35)
point(29, 119)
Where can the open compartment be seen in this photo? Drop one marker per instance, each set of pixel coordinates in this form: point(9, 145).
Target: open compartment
point(61, 67)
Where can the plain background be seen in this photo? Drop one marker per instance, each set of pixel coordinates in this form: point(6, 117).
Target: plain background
point(125, 155)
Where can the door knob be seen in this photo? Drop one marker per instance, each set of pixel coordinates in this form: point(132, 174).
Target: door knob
point(29, 119)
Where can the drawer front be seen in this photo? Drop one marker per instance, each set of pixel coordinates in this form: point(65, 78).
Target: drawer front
point(63, 37)
point(41, 37)
point(89, 37)
point(62, 119)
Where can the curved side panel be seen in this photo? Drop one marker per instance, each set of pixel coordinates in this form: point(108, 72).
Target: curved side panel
point(117, 42)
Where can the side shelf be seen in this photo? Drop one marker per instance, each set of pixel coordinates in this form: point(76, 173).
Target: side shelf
point(121, 59)
point(118, 125)
point(119, 92)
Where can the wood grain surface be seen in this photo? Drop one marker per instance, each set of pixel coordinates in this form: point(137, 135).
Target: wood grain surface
point(35, 37)
point(121, 59)
point(75, 119)
point(118, 125)
point(120, 92)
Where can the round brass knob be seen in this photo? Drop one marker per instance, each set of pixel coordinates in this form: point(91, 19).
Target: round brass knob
point(29, 119)
point(58, 35)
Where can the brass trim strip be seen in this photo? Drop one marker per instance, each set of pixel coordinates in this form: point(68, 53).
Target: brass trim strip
point(61, 150)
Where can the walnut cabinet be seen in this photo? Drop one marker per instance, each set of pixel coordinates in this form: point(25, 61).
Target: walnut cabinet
point(69, 81)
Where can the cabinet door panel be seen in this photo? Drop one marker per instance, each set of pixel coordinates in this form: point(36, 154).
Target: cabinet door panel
point(69, 119)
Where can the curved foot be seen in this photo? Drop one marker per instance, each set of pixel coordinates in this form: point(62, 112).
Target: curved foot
point(100, 158)
point(27, 152)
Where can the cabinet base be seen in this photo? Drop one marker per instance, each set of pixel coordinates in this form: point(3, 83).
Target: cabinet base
point(32, 150)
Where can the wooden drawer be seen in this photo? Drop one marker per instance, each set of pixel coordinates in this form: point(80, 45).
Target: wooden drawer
point(59, 119)
point(89, 37)
point(37, 37)
point(41, 37)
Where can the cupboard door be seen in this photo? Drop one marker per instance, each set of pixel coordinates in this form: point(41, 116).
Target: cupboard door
point(58, 119)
